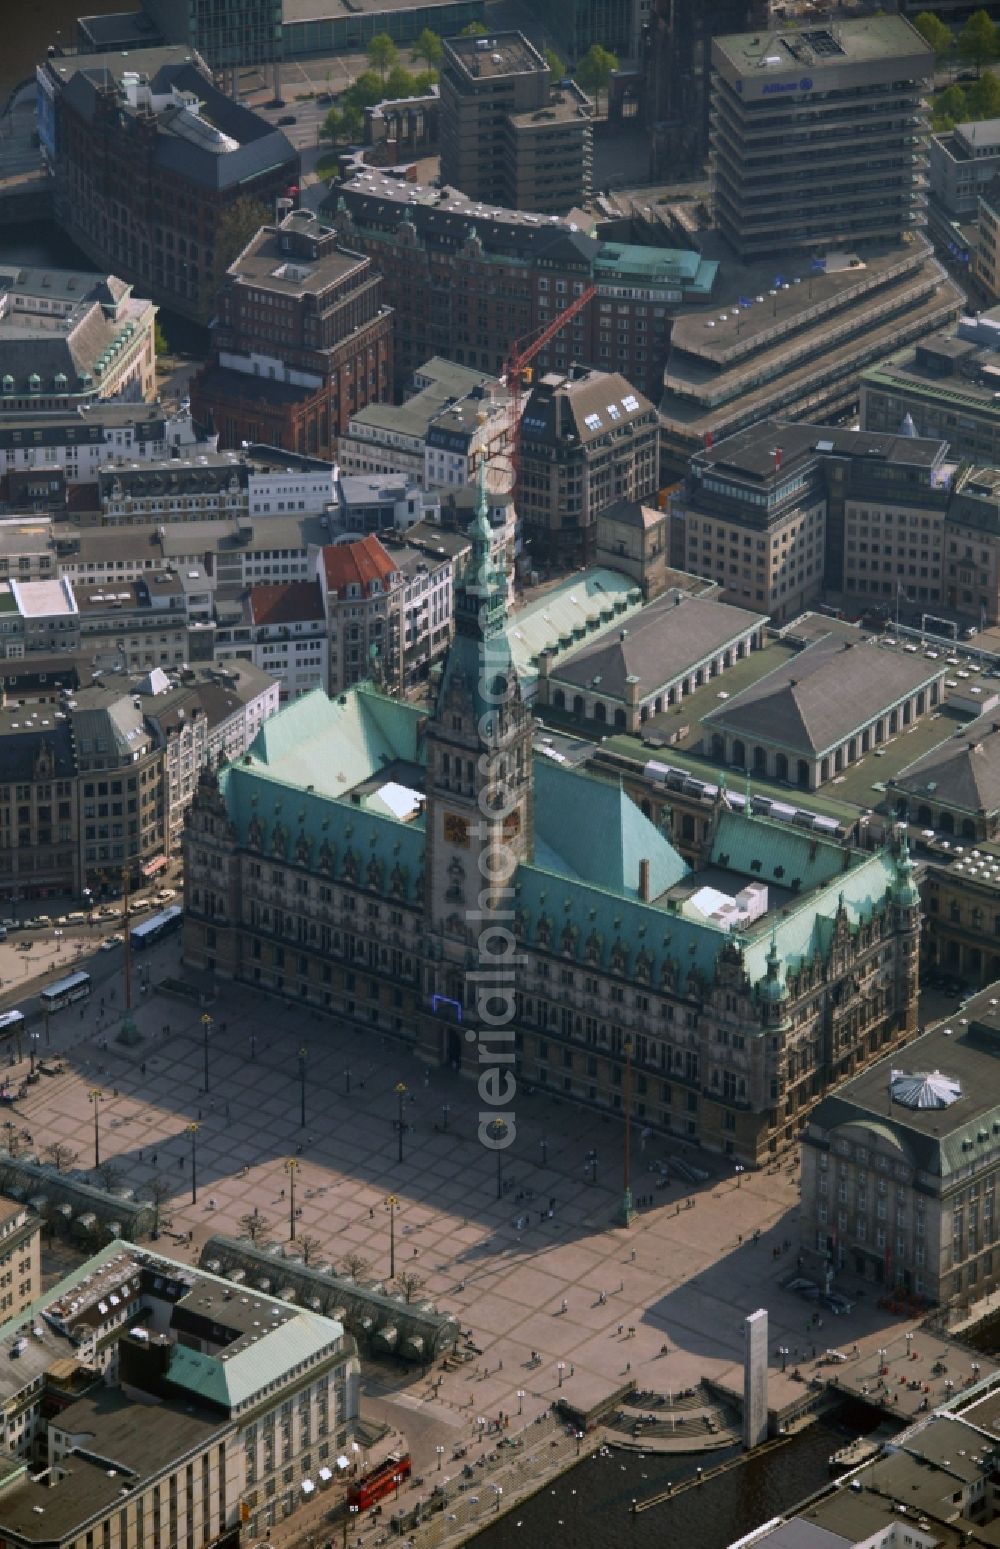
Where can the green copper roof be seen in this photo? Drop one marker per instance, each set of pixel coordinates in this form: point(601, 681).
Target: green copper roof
point(589, 829)
point(238, 1378)
point(681, 267)
point(333, 744)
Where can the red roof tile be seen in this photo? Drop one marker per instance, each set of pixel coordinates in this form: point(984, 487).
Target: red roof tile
point(361, 563)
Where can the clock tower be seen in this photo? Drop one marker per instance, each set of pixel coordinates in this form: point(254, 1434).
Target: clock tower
point(479, 783)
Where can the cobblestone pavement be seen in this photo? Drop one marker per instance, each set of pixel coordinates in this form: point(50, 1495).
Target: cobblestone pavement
point(541, 1272)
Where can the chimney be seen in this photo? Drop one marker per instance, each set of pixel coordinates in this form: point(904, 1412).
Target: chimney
point(644, 881)
point(776, 454)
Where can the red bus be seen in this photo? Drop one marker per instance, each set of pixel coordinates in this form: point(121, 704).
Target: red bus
point(381, 1482)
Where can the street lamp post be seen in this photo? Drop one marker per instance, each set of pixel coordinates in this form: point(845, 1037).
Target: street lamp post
point(392, 1205)
point(302, 1086)
point(32, 1046)
point(95, 1097)
point(783, 1352)
point(520, 1400)
point(400, 1090)
point(206, 1023)
point(560, 1368)
point(440, 1454)
point(497, 1130)
point(591, 1160)
point(445, 1111)
point(291, 1167)
point(739, 1171)
point(192, 1130)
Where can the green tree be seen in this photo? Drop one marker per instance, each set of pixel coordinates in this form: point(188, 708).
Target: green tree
point(240, 221)
point(978, 40)
point(160, 342)
point(933, 31)
point(382, 53)
point(950, 108)
point(428, 47)
point(423, 81)
point(473, 30)
point(594, 70)
point(554, 63)
point(399, 83)
point(365, 91)
point(983, 98)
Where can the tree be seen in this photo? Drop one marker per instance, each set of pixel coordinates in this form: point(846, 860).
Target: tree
point(382, 53)
point(933, 31)
point(473, 30)
point(398, 83)
point(356, 1265)
point(342, 126)
point(554, 63)
point(409, 1283)
point(240, 221)
point(157, 1190)
point(594, 70)
point(428, 47)
point(254, 1225)
point(978, 40)
point(423, 81)
point(365, 91)
point(61, 1157)
point(310, 1247)
point(161, 344)
point(950, 108)
point(109, 1175)
point(983, 97)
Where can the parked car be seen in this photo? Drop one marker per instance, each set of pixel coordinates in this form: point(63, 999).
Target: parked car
point(111, 943)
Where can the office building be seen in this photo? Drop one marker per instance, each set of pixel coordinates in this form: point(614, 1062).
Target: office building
point(508, 133)
point(900, 1163)
point(816, 136)
point(783, 513)
point(962, 162)
point(241, 33)
point(143, 1369)
point(732, 1037)
point(20, 1257)
point(674, 41)
point(943, 386)
point(76, 443)
point(70, 339)
point(588, 440)
point(466, 280)
point(302, 341)
point(280, 627)
point(149, 159)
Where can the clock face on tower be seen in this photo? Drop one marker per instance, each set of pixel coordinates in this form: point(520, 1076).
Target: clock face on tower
point(456, 829)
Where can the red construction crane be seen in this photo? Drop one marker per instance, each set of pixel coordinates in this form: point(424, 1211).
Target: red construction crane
point(516, 372)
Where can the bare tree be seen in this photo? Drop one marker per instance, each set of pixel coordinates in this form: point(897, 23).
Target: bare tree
point(254, 1226)
point(409, 1283)
point(60, 1155)
point(356, 1265)
point(158, 1190)
point(308, 1246)
point(109, 1174)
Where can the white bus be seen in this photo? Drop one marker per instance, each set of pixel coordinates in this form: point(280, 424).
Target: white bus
point(12, 1024)
point(65, 991)
point(156, 927)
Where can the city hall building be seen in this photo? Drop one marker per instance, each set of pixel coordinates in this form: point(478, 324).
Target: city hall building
point(338, 863)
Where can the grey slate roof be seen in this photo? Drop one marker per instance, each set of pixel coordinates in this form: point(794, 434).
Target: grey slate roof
point(962, 772)
point(660, 643)
point(811, 703)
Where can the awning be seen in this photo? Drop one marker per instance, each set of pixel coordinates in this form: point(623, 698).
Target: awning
point(157, 864)
point(342, 1462)
point(307, 1487)
point(326, 1474)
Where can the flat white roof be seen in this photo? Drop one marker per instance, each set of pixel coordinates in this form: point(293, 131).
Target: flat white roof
point(44, 599)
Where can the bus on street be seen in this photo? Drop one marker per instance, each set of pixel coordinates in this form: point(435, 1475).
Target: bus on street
point(156, 927)
point(65, 991)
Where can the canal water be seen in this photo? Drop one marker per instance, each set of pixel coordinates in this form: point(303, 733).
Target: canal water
point(589, 1507)
point(28, 30)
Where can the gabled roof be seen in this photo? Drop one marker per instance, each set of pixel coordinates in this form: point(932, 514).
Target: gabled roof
point(360, 563)
point(367, 730)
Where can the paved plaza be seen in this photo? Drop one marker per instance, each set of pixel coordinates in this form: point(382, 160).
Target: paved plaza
point(661, 1302)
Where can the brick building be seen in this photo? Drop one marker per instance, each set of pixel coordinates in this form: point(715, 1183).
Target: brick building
point(302, 339)
point(149, 158)
point(466, 280)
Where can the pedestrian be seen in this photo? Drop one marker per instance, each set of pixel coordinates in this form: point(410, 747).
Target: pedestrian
point(739, 1240)
point(633, 1255)
point(620, 1327)
point(564, 1304)
point(371, 1213)
point(282, 1194)
point(155, 1154)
